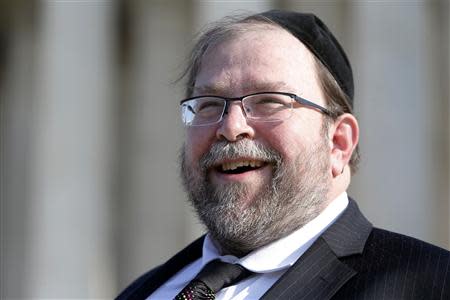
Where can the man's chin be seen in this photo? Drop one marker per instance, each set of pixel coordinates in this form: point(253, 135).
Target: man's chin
point(237, 195)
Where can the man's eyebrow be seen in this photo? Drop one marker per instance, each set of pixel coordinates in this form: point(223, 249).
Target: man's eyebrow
point(251, 87)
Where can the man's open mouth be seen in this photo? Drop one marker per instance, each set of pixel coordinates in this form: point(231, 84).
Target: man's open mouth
point(238, 167)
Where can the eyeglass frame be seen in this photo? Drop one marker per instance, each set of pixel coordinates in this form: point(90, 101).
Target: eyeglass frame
point(296, 98)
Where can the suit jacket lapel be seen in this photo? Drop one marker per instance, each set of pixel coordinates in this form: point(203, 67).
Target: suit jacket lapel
point(151, 281)
point(319, 273)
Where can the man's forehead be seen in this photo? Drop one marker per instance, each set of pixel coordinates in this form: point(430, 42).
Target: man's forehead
point(256, 61)
point(252, 86)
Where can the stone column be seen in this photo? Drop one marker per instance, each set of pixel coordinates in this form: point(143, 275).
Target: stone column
point(210, 11)
point(69, 250)
point(153, 209)
point(402, 105)
point(16, 99)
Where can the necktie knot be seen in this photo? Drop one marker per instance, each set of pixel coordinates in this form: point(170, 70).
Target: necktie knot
point(212, 278)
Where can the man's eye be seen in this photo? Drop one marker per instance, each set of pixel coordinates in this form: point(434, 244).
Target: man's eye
point(271, 102)
point(209, 105)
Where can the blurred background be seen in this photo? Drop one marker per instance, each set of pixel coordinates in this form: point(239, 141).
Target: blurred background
point(90, 131)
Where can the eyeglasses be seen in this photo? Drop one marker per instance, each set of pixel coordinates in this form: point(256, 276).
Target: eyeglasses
point(261, 107)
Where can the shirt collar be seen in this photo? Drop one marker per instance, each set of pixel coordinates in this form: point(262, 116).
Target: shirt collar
point(288, 249)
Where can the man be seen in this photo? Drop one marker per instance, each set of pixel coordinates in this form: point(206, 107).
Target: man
point(271, 144)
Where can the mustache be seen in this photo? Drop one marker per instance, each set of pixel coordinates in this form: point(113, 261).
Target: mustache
point(224, 150)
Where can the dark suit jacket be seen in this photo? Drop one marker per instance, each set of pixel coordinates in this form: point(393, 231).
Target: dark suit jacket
point(350, 260)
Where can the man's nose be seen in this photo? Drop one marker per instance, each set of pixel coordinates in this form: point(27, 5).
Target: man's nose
point(234, 125)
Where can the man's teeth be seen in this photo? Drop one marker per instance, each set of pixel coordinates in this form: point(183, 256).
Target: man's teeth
point(245, 163)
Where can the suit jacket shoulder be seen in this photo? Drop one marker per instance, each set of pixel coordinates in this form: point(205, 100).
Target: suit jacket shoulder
point(353, 260)
point(395, 266)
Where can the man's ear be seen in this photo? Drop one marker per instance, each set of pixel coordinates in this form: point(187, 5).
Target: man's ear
point(344, 137)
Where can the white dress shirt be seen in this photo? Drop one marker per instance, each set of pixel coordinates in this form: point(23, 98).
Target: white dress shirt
point(268, 262)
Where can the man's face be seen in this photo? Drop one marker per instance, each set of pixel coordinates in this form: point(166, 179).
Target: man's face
point(285, 175)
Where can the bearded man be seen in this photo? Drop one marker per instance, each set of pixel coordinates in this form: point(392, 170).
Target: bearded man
point(271, 144)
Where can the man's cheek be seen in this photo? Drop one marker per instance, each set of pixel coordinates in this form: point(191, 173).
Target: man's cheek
point(192, 163)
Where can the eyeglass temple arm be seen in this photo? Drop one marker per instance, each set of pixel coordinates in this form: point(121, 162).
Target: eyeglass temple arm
point(312, 104)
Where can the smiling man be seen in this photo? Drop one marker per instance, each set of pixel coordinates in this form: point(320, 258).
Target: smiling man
point(271, 144)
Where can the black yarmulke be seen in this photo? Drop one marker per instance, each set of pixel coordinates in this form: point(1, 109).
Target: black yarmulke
point(315, 35)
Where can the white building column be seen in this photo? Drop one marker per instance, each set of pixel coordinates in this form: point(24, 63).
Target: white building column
point(69, 250)
point(206, 11)
point(402, 103)
point(16, 96)
point(152, 204)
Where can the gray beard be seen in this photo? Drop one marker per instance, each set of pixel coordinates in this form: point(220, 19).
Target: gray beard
point(297, 193)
